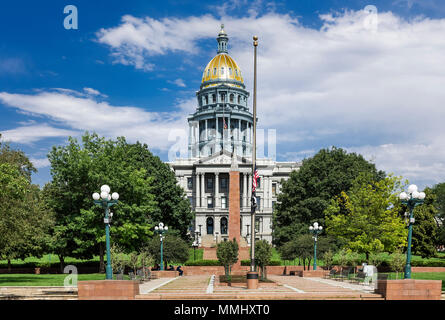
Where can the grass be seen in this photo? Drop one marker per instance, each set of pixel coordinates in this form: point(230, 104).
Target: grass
point(45, 279)
point(421, 276)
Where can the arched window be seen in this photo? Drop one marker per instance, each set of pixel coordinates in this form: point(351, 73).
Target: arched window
point(213, 98)
point(231, 97)
point(209, 224)
point(214, 71)
point(239, 99)
point(223, 224)
point(223, 97)
point(207, 99)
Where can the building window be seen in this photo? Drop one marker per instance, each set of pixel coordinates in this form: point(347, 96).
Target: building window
point(232, 98)
point(210, 184)
point(213, 98)
point(258, 202)
point(230, 71)
point(239, 99)
point(190, 183)
point(274, 189)
point(208, 72)
point(207, 99)
point(222, 71)
point(223, 225)
point(214, 71)
point(236, 72)
point(224, 183)
point(258, 183)
point(223, 202)
point(258, 224)
point(191, 200)
point(210, 202)
point(223, 97)
point(209, 225)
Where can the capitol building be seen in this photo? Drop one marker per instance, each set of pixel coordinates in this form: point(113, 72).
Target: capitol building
point(222, 127)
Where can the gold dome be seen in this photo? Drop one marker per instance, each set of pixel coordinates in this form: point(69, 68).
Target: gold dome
point(222, 68)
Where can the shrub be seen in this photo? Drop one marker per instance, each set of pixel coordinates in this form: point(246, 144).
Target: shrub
point(397, 262)
point(203, 263)
point(328, 259)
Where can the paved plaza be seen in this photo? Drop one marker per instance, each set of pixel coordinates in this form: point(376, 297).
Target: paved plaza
point(287, 287)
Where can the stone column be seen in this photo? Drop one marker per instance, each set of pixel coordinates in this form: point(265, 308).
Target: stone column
point(266, 191)
point(270, 192)
point(249, 192)
point(244, 189)
point(203, 198)
point(198, 191)
point(217, 198)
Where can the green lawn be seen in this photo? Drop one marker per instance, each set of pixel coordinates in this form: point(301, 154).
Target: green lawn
point(44, 279)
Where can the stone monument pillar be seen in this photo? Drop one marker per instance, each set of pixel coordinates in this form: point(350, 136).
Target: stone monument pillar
point(234, 207)
point(234, 201)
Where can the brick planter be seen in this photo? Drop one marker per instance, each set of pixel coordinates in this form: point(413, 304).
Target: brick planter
point(410, 289)
point(312, 273)
point(165, 274)
point(108, 289)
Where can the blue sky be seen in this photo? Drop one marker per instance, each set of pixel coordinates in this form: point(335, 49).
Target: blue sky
point(328, 75)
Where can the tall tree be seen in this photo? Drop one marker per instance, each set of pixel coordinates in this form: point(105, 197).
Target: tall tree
point(367, 218)
point(308, 191)
point(78, 170)
point(24, 220)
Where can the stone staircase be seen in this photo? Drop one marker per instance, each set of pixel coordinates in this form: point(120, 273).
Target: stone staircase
point(38, 293)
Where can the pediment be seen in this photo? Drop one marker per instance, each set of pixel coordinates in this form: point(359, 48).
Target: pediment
point(223, 157)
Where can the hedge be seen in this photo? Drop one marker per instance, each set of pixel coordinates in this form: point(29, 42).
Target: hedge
point(271, 263)
point(203, 263)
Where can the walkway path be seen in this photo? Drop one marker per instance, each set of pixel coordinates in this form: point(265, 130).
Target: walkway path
point(289, 287)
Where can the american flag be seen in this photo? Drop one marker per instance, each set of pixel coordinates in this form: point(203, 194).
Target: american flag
point(254, 180)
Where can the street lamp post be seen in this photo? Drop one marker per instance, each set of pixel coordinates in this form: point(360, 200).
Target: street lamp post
point(411, 199)
point(161, 229)
point(105, 200)
point(315, 230)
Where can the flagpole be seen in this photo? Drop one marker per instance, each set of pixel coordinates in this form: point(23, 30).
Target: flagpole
point(252, 234)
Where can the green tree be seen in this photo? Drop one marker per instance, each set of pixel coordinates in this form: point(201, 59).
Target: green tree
point(175, 249)
point(303, 247)
point(425, 228)
point(397, 262)
point(147, 187)
point(24, 219)
point(328, 259)
point(308, 191)
point(227, 254)
point(367, 217)
point(263, 254)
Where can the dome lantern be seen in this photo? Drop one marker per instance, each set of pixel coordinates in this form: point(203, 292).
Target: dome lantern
point(222, 41)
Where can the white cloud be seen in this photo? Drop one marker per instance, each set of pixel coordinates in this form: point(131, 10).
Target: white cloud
point(85, 113)
point(94, 92)
point(30, 133)
point(342, 85)
point(40, 163)
point(179, 82)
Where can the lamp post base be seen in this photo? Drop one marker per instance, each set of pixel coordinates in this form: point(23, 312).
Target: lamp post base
point(109, 272)
point(252, 280)
point(407, 274)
